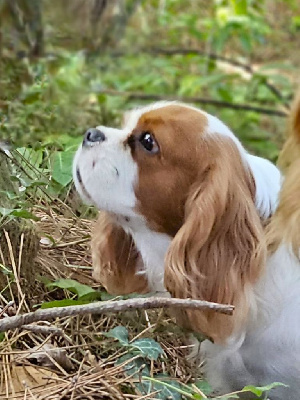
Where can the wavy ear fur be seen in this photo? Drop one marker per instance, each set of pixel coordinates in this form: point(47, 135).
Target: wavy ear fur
point(115, 258)
point(285, 224)
point(291, 148)
point(218, 253)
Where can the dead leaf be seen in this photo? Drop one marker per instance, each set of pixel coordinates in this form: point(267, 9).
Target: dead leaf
point(31, 376)
point(47, 354)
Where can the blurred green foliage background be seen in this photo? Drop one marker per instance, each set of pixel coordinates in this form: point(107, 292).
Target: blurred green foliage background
point(68, 65)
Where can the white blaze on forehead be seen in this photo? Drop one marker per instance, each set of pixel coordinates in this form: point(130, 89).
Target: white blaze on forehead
point(131, 118)
point(215, 126)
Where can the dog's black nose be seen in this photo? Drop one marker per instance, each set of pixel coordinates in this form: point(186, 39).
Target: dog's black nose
point(93, 135)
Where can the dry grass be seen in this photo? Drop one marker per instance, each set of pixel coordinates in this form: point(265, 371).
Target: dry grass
point(71, 359)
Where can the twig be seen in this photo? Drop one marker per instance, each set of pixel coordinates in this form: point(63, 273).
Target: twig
point(75, 242)
point(6, 307)
point(45, 330)
point(246, 67)
point(201, 100)
point(104, 307)
point(212, 56)
point(180, 51)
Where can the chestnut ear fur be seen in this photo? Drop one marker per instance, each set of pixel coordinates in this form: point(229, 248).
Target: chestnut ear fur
point(115, 258)
point(285, 224)
point(219, 251)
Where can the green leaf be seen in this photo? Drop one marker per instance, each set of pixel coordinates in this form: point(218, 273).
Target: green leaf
point(62, 167)
point(239, 6)
point(106, 296)
point(225, 93)
point(170, 389)
point(31, 96)
point(167, 388)
point(277, 65)
point(64, 142)
point(9, 195)
point(33, 157)
point(296, 22)
point(24, 214)
point(246, 42)
point(148, 348)
point(91, 296)
point(135, 366)
point(101, 98)
point(82, 291)
point(204, 387)
point(260, 390)
point(120, 333)
point(18, 213)
point(36, 183)
point(5, 211)
point(62, 303)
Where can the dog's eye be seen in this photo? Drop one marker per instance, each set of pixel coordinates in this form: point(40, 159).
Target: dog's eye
point(148, 142)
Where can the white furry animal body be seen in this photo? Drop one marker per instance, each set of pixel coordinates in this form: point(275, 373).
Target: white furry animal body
point(268, 350)
point(183, 208)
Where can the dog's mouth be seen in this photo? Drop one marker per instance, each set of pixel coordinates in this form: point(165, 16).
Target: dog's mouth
point(78, 176)
point(79, 179)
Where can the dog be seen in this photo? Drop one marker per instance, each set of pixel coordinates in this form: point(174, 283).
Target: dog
point(270, 349)
point(184, 211)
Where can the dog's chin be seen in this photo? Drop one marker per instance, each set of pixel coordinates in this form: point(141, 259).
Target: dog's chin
point(80, 187)
point(98, 182)
point(86, 196)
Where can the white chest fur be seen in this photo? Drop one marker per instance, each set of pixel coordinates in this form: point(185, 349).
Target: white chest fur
point(153, 247)
point(269, 349)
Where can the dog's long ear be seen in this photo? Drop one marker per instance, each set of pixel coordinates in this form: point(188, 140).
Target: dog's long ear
point(291, 148)
point(116, 261)
point(219, 251)
point(285, 224)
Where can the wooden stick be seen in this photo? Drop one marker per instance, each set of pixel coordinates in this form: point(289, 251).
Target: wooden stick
point(103, 307)
point(192, 99)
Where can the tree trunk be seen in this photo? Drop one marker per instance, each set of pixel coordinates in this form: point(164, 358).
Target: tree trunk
point(21, 23)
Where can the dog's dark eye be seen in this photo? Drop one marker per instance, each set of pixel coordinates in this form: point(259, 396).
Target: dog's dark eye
point(148, 142)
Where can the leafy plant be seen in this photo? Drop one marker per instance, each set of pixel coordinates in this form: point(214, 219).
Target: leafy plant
point(83, 293)
point(136, 364)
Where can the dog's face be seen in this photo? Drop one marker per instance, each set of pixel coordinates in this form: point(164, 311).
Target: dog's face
point(148, 167)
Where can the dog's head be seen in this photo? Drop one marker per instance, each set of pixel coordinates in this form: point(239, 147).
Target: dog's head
point(186, 175)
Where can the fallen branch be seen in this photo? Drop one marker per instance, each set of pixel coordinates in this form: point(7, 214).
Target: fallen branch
point(103, 307)
point(44, 330)
point(246, 67)
point(180, 51)
point(200, 100)
point(209, 55)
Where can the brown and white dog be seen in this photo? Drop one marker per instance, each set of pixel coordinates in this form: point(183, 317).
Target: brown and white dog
point(183, 211)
